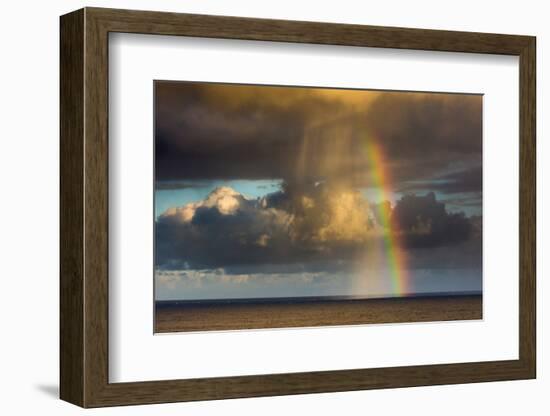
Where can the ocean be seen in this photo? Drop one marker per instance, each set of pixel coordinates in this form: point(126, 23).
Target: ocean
point(233, 314)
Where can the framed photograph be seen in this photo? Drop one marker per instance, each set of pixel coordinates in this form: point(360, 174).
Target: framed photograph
point(255, 207)
point(280, 206)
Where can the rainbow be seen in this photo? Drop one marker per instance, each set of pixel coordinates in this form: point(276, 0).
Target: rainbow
point(395, 255)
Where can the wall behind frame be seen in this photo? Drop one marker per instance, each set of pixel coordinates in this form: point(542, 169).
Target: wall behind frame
point(29, 161)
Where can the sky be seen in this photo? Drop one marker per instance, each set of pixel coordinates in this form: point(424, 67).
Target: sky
point(269, 191)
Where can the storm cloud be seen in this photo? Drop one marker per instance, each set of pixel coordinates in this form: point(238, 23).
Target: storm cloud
point(318, 224)
point(462, 181)
point(213, 131)
point(425, 222)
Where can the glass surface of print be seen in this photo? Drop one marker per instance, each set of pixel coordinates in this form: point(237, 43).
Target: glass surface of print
point(299, 206)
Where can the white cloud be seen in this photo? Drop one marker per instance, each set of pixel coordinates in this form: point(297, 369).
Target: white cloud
point(217, 283)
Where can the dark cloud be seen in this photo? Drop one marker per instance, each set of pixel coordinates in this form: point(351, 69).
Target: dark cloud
point(226, 224)
point(171, 185)
point(223, 131)
point(463, 181)
point(426, 223)
point(316, 227)
point(425, 134)
point(466, 201)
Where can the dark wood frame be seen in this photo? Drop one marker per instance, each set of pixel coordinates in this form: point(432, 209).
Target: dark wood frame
point(84, 207)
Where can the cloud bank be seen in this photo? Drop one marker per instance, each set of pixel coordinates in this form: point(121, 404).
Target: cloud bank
point(305, 226)
point(224, 131)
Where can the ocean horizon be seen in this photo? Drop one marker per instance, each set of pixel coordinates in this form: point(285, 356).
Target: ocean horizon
point(306, 299)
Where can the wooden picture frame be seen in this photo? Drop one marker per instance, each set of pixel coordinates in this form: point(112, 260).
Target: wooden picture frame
point(84, 207)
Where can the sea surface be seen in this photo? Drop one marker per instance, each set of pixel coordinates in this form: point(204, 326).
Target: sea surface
point(232, 314)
